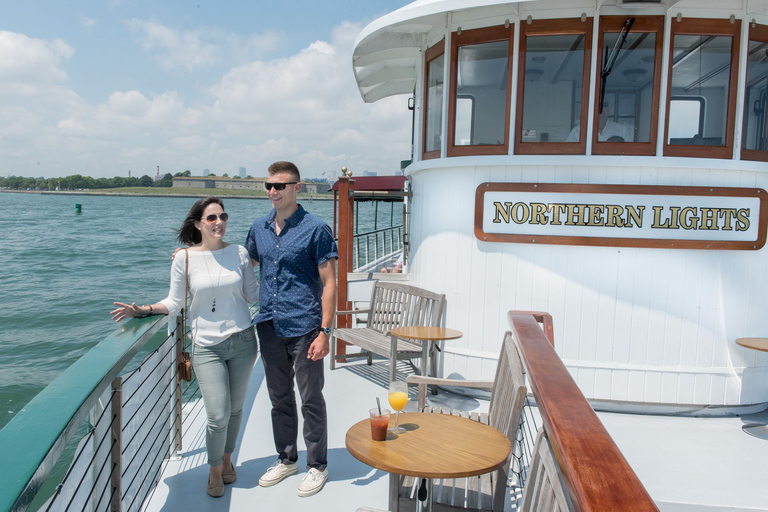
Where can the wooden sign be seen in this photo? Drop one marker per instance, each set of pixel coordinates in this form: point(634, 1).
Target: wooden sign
point(725, 218)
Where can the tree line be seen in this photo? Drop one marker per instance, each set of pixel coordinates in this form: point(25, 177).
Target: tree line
point(79, 182)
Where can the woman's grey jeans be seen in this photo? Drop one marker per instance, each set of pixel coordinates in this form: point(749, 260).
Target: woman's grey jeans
point(223, 371)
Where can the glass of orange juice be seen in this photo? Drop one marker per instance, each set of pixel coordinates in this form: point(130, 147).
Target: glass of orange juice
point(398, 397)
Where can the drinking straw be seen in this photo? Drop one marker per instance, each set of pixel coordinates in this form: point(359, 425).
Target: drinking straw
point(378, 404)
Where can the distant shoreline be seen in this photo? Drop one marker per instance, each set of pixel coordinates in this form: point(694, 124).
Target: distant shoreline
point(324, 197)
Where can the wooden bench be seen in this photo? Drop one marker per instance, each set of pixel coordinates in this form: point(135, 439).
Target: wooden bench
point(391, 305)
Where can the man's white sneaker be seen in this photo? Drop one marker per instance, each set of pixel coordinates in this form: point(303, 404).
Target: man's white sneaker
point(277, 473)
point(313, 482)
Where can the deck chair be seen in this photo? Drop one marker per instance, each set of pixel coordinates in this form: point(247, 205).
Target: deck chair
point(484, 492)
point(545, 487)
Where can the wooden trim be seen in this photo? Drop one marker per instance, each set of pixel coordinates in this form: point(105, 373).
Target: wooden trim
point(754, 155)
point(545, 319)
point(706, 27)
point(346, 216)
point(431, 54)
point(761, 194)
point(434, 51)
point(756, 33)
point(553, 28)
point(597, 476)
point(644, 24)
point(469, 37)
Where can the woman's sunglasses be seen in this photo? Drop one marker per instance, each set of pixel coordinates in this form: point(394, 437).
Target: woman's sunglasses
point(278, 186)
point(212, 218)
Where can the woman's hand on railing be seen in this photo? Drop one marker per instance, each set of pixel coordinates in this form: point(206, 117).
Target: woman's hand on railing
point(128, 311)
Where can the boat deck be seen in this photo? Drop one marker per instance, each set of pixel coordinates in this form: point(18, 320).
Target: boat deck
point(687, 464)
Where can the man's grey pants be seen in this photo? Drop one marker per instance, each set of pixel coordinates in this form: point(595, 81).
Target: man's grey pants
point(284, 359)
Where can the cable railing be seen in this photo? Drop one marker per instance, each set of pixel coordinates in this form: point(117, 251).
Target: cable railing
point(133, 423)
point(373, 246)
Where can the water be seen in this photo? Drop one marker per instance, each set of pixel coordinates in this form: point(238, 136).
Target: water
point(61, 271)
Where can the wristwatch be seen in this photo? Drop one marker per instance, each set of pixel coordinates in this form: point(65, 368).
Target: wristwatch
point(326, 330)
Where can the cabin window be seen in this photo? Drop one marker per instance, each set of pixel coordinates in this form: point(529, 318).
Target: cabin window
point(553, 86)
point(754, 139)
point(627, 93)
point(433, 100)
point(703, 68)
point(478, 121)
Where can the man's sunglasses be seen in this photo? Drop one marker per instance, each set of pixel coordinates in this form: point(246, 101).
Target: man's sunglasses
point(278, 186)
point(212, 218)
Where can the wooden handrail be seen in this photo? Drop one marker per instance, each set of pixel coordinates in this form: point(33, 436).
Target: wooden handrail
point(597, 476)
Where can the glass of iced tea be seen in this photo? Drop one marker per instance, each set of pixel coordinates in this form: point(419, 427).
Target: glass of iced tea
point(379, 423)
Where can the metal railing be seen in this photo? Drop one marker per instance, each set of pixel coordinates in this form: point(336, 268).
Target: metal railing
point(372, 246)
point(133, 423)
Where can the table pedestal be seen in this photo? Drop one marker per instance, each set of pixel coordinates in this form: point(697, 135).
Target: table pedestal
point(759, 431)
point(425, 505)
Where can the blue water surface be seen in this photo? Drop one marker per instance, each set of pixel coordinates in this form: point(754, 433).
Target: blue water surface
point(61, 271)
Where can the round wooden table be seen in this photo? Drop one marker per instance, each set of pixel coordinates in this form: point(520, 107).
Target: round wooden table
point(761, 344)
point(433, 446)
point(424, 334)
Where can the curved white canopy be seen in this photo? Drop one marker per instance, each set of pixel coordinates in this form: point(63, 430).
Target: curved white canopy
point(386, 51)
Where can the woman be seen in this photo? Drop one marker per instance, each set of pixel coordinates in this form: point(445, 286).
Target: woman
point(221, 280)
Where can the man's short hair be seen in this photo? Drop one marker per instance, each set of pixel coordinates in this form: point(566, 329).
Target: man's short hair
point(288, 167)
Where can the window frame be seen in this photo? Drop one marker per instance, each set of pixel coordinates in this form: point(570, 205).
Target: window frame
point(554, 27)
point(466, 38)
point(756, 33)
point(643, 24)
point(430, 54)
point(706, 27)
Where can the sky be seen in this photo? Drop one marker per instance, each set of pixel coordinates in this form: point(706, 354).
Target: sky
point(101, 87)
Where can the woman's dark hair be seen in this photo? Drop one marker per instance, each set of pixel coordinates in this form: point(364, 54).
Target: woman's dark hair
point(188, 233)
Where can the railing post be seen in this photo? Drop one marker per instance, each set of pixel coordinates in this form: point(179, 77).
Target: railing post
point(117, 444)
point(178, 393)
point(346, 218)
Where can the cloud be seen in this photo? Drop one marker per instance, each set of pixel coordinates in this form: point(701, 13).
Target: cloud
point(304, 108)
point(173, 49)
point(87, 21)
point(26, 63)
point(311, 98)
point(200, 48)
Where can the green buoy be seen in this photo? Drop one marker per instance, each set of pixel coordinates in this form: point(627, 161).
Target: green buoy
point(78, 208)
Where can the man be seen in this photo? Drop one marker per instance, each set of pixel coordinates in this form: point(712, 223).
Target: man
point(607, 130)
point(296, 254)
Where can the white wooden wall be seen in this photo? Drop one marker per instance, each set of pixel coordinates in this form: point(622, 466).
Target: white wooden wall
point(637, 325)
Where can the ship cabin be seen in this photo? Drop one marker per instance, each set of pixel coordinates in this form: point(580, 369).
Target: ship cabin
point(603, 161)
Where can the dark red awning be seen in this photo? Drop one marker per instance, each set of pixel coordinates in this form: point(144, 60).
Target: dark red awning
point(376, 183)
